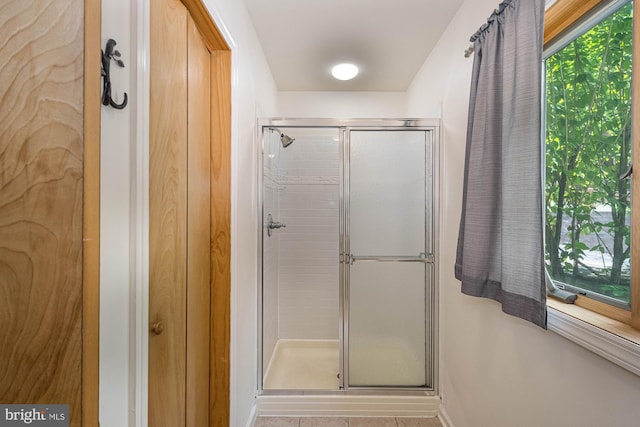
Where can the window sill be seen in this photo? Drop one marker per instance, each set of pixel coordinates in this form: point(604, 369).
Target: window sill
point(611, 339)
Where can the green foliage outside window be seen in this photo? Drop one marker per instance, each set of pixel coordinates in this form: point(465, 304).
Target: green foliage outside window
point(588, 148)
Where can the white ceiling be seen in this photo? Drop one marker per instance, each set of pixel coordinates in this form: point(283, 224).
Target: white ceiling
point(387, 39)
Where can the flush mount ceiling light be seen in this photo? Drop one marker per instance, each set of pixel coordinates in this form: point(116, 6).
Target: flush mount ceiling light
point(344, 71)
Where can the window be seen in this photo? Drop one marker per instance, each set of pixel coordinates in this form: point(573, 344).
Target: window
point(588, 144)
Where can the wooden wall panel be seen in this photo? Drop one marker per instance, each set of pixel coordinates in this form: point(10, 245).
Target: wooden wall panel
point(41, 202)
point(198, 229)
point(167, 212)
point(221, 235)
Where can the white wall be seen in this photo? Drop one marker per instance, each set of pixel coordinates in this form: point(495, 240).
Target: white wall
point(343, 105)
point(115, 232)
point(495, 369)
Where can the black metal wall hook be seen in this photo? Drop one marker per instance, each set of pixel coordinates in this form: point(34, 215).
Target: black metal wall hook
point(109, 54)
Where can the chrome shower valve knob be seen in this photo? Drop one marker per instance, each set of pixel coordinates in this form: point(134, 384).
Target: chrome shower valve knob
point(273, 225)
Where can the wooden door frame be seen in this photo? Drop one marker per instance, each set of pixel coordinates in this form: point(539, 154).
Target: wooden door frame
point(220, 244)
point(220, 261)
point(91, 215)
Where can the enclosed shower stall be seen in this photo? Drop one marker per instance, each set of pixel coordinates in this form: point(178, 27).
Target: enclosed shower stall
point(347, 268)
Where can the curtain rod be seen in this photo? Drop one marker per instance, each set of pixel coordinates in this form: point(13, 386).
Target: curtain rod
point(468, 51)
point(501, 7)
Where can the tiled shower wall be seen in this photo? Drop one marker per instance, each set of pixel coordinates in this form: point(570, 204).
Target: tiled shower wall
point(271, 255)
point(307, 274)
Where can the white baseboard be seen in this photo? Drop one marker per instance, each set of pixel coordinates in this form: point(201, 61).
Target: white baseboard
point(348, 406)
point(443, 416)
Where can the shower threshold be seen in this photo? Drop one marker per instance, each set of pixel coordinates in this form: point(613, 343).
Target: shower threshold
point(304, 365)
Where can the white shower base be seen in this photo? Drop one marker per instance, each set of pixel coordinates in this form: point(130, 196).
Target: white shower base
point(304, 365)
point(314, 365)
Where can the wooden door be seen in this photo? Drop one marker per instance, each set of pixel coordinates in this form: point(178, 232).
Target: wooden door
point(167, 214)
point(49, 201)
point(180, 219)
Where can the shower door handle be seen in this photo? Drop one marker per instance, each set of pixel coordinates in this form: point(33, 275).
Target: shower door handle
point(347, 259)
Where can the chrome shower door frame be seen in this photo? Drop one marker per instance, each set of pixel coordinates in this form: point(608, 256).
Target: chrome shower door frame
point(345, 126)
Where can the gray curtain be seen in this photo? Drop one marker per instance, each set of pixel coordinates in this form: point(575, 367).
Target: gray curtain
point(500, 246)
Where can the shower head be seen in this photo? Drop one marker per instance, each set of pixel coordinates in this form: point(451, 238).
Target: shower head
point(286, 140)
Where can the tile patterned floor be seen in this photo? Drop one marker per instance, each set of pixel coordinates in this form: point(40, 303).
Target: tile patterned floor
point(345, 422)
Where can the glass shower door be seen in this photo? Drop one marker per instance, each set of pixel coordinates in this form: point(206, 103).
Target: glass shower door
point(388, 255)
point(300, 298)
